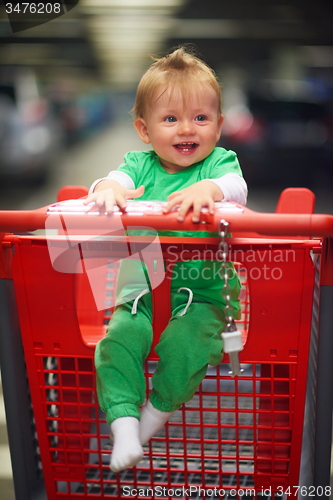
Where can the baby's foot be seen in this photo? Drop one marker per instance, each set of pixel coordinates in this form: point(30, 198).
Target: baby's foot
point(127, 450)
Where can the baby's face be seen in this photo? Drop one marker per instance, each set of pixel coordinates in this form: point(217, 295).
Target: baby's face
point(182, 132)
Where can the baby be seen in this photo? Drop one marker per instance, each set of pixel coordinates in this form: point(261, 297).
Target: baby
point(178, 111)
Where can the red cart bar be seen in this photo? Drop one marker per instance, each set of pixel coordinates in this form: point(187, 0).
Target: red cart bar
point(243, 221)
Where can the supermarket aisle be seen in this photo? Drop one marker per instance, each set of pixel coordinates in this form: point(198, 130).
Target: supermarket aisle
point(82, 164)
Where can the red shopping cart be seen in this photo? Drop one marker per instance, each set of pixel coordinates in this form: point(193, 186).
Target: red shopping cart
point(263, 434)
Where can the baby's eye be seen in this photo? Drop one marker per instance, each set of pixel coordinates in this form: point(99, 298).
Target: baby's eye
point(171, 119)
point(201, 118)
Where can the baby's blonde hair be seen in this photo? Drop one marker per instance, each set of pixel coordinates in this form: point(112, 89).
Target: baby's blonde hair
point(180, 69)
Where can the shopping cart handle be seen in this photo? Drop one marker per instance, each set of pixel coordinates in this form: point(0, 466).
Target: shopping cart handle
point(241, 219)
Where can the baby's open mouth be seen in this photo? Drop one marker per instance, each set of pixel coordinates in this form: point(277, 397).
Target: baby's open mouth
point(186, 146)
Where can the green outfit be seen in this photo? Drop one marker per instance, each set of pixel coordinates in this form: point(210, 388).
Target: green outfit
point(192, 340)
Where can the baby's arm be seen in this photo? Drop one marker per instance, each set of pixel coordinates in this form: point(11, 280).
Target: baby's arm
point(108, 193)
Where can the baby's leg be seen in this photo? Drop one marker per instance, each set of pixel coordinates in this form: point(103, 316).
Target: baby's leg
point(152, 420)
point(187, 346)
point(121, 384)
point(127, 450)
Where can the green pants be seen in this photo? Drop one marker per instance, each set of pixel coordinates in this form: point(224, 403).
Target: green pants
point(187, 346)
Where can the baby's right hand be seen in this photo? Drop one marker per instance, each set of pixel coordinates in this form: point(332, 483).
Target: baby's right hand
point(106, 199)
point(103, 199)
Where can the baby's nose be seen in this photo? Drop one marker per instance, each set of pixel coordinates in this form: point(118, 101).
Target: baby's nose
point(186, 127)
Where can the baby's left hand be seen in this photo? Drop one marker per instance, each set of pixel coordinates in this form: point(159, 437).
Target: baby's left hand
point(199, 195)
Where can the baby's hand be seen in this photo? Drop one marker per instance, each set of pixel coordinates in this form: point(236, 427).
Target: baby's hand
point(199, 195)
point(106, 199)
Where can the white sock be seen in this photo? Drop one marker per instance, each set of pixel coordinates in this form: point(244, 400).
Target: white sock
point(127, 450)
point(151, 421)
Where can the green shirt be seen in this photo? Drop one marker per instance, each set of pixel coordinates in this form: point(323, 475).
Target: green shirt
point(202, 277)
point(144, 168)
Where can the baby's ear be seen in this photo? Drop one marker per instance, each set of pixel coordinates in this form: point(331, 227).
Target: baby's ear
point(141, 128)
point(219, 126)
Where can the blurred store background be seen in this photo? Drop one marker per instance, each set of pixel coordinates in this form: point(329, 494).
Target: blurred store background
point(66, 89)
point(67, 81)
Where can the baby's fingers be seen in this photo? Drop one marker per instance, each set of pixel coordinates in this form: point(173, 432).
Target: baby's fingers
point(90, 198)
point(172, 203)
point(199, 204)
point(184, 208)
point(105, 199)
point(110, 202)
point(97, 198)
